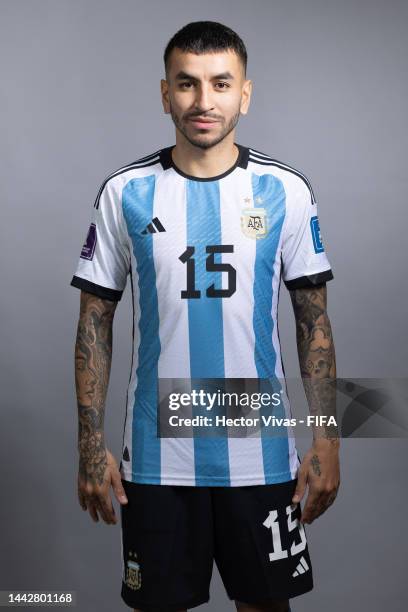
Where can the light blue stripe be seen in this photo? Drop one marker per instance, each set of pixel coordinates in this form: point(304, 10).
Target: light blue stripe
point(137, 203)
point(268, 193)
point(205, 324)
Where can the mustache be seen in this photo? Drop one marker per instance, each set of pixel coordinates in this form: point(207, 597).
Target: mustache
point(203, 115)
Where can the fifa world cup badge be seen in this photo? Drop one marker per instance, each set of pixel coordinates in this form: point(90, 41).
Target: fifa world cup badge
point(253, 222)
point(133, 575)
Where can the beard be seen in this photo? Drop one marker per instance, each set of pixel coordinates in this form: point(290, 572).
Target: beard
point(197, 141)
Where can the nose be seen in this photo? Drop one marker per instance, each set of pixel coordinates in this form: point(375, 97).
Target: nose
point(203, 101)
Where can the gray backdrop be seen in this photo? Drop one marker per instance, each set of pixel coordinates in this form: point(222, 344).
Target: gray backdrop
point(80, 97)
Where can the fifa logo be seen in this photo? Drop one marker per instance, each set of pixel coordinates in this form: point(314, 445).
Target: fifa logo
point(253, 222)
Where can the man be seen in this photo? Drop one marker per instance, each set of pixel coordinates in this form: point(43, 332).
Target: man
point(205, 229)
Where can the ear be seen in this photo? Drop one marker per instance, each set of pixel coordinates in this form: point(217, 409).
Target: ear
point(164, 87)
point(246, 96)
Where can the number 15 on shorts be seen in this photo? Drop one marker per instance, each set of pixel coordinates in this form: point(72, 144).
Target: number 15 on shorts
point(293, 524)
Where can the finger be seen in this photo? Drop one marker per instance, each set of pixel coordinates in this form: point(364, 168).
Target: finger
point(321, 510)
point(93, 512)
point(307, 512)
point(318, 506)
point(300, 486)
point(105, 509)
point(118, 489)
point(331, 499)
point(329, 495)
point(82, 501)
point(311, 506)
point(109, 515)
point(81, 497)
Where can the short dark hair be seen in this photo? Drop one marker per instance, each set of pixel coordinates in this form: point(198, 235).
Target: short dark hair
point(203, 37)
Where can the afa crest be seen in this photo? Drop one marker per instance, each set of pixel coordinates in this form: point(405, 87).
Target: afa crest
point(133, 577)
point(253, 222)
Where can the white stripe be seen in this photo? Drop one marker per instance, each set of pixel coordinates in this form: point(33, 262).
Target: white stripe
point(293, 458)
point(245, 454)
point(177, 454)
point(289, 187)
point(275, 295)
point(304, 563)
point(127, 438)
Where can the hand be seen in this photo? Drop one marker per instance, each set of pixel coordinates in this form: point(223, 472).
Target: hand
point(94, 490)
point(321, 471)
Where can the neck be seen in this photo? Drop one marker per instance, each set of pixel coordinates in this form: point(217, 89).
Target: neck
point(204, 163)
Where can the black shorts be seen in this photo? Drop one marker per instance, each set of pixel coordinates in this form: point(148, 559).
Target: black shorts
point(171, 534)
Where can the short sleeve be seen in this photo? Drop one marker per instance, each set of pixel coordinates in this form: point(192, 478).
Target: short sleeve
point(304, 260)
point(104, 261)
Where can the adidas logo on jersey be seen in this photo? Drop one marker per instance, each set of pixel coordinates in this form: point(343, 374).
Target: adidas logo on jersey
point(153, 227)
point(301, 567)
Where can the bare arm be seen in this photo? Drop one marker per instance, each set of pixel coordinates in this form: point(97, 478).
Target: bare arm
point(320, 467)
point(93, 354)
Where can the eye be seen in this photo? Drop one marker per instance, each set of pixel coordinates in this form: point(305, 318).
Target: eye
point(223, 85)
point(185, 84)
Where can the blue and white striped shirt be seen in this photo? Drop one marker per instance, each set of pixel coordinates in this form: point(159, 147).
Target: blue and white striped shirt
point(195, 318)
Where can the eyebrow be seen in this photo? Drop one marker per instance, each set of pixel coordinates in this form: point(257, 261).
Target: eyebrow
point(223, 75)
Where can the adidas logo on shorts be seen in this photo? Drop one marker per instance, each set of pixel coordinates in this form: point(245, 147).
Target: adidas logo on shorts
point(301, 567)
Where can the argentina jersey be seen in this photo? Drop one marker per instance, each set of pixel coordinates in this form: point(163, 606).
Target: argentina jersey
point(205, 258)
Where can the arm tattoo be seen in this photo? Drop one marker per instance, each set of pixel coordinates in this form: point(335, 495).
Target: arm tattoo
point(316, 354)
point(93, 353)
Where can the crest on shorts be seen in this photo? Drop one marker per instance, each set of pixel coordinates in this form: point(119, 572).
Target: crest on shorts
point(253, 222)
point(133, 577)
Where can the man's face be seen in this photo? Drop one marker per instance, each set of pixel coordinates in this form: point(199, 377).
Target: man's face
point(205, 95)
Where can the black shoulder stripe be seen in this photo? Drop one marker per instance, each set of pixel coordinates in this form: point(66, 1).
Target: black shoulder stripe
point(132, 166)
point(276, 162)
point(255, 152)
point(265, 160)
point(147, 157)
point(259, 157)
